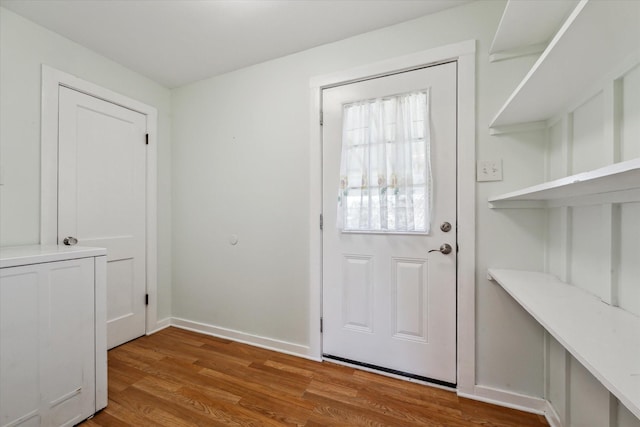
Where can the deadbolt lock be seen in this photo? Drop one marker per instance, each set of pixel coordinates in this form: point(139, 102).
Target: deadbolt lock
point(445, 226)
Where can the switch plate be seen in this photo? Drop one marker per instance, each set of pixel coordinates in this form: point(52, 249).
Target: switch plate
point(489, 170)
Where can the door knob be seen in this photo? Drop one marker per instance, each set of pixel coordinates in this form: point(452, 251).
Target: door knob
point(444, 249)
point(70, 241)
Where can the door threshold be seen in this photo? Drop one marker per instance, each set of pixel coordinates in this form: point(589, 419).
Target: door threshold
point(394, 373)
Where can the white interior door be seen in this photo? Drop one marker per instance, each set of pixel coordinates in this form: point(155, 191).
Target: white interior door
point(101, 199)
point(388, 302)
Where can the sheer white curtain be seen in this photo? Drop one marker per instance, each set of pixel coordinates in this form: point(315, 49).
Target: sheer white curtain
point(385, 171)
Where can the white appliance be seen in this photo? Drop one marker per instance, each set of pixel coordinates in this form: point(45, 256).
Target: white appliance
point(53, 346)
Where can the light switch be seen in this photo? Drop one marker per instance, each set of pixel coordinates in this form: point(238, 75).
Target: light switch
point(489, 170)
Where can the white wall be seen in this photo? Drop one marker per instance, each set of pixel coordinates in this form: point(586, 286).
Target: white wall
point(240, 166)
point(577, 248)
point(234, 153)
point(24, 47)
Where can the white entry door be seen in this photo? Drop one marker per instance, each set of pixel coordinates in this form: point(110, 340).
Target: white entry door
point(101, 199)
point(388, 302)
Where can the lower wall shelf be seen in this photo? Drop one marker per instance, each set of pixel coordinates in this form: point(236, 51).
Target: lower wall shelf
point(603, 338)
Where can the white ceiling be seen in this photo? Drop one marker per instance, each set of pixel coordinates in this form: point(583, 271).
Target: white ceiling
point(176, 42)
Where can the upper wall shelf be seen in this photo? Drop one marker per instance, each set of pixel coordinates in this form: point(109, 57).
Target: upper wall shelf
point(603, 338)
point(527, 27)
point(597, 36)
point(617, 179)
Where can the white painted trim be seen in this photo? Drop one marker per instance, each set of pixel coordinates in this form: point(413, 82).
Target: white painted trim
point(100, 316)
point(395, 65)
point(521, 402)
point(160, 325)
point(242, 337)
point(552, 416)
point(315, 234)
point(52, 79)
point(466, 220)
point(464, 53)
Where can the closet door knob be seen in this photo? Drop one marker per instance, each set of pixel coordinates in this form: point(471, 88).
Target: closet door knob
point(70, 241)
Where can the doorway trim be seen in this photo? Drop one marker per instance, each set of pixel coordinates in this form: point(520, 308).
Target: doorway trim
point(52, 79)
point(465, 55)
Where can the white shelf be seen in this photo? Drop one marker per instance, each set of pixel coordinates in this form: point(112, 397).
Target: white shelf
point(596, 36)
point(618, 179)
point(527, 27)
point(605, 339)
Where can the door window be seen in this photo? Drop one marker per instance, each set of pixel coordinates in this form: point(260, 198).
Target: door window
point(385, 171)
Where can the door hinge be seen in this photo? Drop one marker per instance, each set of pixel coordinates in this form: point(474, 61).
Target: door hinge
point(146, 299)
point(146, 139)
point(321, 324)
point(321, 222)
point(321, 118)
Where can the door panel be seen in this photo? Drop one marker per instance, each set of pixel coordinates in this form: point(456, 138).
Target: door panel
point(357, 299)
point(101, 199)
point(387, 301)
point(409, 311)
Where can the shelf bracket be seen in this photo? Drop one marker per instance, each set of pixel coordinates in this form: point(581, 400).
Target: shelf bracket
point(517, 52)
point(518, 127)
point(518, 204)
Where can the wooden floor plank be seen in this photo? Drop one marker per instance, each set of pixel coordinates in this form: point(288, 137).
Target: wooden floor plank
point(179, 378)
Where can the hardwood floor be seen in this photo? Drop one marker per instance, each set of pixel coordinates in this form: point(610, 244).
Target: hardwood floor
point(180, 378)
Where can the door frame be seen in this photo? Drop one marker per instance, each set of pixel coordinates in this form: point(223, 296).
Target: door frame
point(52, 79)
point(465, 55)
